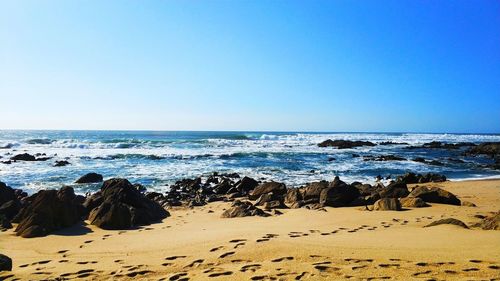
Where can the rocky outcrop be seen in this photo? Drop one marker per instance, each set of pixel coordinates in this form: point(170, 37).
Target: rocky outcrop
point(442, 145)
point(394, 190)
point(338, 194)
point(278, 189)
point(28, 157)
point(410, 178)
point(5, 263)
point(451, 221)
point(488, 148)
point(343, 144)
point(413, 202)
point(49, 210)
point(90, 178)
point(61, 163)
point(243, 209)
point(123, 207)
point(435, 195)
point(387, 204)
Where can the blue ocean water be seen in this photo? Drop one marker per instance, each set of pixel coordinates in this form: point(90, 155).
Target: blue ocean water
point(156, 159)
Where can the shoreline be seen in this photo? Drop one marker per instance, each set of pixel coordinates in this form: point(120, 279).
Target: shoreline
point(335, 244)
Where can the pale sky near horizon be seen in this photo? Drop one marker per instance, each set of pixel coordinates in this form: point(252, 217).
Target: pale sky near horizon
point(413, 66)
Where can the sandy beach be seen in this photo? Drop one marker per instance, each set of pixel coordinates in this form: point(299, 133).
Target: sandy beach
point(301, 244)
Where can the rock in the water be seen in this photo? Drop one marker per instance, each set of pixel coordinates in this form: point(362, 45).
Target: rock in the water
point(413, 202)
point(275, 187)
point(342, 144)
point(50, 210)
point(487, 148)
point(5, 263)
point(387, 204)
point(90, 178)
point(23, 157)
point(61, 163)
point(394, 190)
point(490, 222)
point(468, 204)
point(338, 194)
point(383, 158)
point(435, 195)
point(243, 209)
point(124, 206)
point(410, 178)
point(448, 221)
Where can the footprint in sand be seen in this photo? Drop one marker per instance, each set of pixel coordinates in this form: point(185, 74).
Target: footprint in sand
point(226, 255)
point(217, 274)
point(282, 259)
point(422, 273)
point(496, 267)
point(171, 258)
point(195, 263)
point(250, 267)
point(237, 240)
point(470, 269)
point(178, 276)
point(216, 249)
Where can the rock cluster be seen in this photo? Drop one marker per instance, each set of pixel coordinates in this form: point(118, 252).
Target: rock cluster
point(343, 144)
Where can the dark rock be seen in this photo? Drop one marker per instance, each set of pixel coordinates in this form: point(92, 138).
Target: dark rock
point(343, 144)
point(387, 204)
point(223, 187)
point(10, 209)
point(93, 201)
point(448, 221)
point(247, 184)
point(275, 187)
point(313, 190)
point(6, 193)
point(419, 159)
point(410, 178)
point(124, 207)
point(487, 148)
point(23, 157)
point(5, 263)
point(383, 158)
point(4, 223)
point(393, 143)
point(441, 145)
point(49, 210)
point(90, 178)
point(394, 190)
point(435, 195)
point(243, 209)
point(276, 204)
point(338, 194)
point(61, 163)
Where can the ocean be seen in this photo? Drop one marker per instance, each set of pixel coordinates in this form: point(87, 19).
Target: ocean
point(159, 158)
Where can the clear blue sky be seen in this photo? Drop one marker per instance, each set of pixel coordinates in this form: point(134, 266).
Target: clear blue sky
point(424, 66)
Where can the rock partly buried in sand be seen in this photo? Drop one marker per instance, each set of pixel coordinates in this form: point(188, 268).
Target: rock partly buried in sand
point(490, 222)
point(338, 194)
point(468, 204)
point(413, 202)
point(49, 210)
point(276, 188)
point(394, 190)
point(124, 207)
point(90, 178)
point(387, 204)
point(435, 195)
point(5, 263)
point(343, 144)
point(451, 221)
point(243, 209)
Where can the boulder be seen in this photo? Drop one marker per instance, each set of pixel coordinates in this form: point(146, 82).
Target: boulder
point(223, 187)
point(23, 157)
point(487, 148)
point(246, 184)
point(293, 195)
point(394, 190)
point(90, 178)
point(4, 223)
point(124, 207)
point(343, 144)
point(410, 178)
point(451, 221)
point(275, 204)
point(313, 190)
point(338, 194)
point(434, 195)
point(243, 209)
point(49, 210)
point(5, 263)
point(412, 202)
point(387, 204)
point(10, 209)
point(61, 163)
point(6, 193)
point(275, 187)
